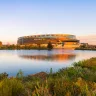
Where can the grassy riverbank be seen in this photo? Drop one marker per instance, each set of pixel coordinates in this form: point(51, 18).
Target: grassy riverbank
point(79, 80)
point(49, 46)
point(86, 47)
point(93, 49)
point(24, 47)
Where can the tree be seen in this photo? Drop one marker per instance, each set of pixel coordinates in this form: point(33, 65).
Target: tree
point(62, 44)
point(0, 43)
point(50, 46)
point(19, 74)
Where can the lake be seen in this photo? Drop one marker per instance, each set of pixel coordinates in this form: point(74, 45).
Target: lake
point(34, 61)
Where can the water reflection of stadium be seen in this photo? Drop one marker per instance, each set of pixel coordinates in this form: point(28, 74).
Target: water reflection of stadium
point(56, 57)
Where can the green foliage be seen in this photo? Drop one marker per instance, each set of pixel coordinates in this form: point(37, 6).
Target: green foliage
point(11, 87)
point(22, 47)
point(50, 46)
point(51, 71)
point(3, 75)
point(30, 78)
point(41, 90)
point(20, 74)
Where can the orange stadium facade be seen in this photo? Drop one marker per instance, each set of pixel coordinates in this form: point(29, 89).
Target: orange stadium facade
point(57, 40)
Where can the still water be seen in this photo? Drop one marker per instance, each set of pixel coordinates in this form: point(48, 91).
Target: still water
point(33, 61)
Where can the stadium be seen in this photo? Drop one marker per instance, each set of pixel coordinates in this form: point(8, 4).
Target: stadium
point(57, 40)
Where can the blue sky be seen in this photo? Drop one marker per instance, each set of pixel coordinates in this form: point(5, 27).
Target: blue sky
point(27, 17)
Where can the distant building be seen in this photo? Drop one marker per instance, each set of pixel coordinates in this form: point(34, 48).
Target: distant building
point(84, 45)
point(0, 43)
point(57, 40)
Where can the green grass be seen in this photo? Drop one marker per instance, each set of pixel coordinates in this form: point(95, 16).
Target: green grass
point(79, 80)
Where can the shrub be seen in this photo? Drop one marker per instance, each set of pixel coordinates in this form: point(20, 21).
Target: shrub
point(3, 75)
point(49, 46)
point(11, 87)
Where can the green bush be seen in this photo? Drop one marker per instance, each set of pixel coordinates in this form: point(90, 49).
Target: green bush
point(50, 46)
point(3, 75)
point(11, 87)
